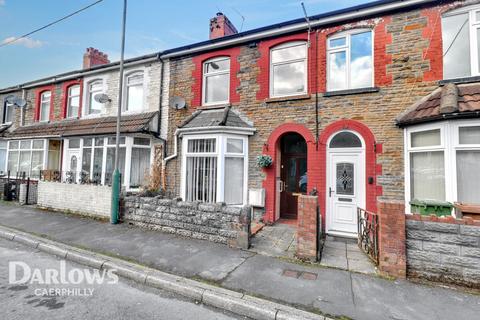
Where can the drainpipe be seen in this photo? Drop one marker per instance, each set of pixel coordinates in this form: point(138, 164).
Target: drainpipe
point(316, 90)
point(159, 126)
point(22, 110)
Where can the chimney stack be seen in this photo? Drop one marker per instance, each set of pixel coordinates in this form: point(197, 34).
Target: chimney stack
point(221, 26)
point(93, 57)
point(449, 99)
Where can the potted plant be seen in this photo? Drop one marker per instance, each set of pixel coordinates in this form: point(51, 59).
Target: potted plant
point(264, 161)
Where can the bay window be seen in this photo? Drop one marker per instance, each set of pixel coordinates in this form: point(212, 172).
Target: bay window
point(140, 161)
point(350, 60)
point(44, 107)
point(216, 81)
point(134, 92)
point(214, 168)
point(442, 162)
point(3, 156)
point(73, 101)
point(460, 36)
point(26, 157)
point(288, 69)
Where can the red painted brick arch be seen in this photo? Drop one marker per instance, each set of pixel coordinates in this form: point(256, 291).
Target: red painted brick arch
point(270, 149)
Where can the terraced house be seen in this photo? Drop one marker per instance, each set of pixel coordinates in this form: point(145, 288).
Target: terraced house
point(364, 106)
point(59, 124)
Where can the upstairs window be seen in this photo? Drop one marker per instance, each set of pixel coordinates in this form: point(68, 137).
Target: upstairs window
point(73, 101)
point(288, 69)
point(8, 112)
point(216, 81)
point(94, 107)
point(460, 36)
point(350, 60)
point(134, 92)
point(44, 110)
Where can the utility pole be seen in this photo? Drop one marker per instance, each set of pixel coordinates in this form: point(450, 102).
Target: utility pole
point(116, 181)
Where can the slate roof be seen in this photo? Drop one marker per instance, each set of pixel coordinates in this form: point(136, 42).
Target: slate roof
point(216, 117)
point(428, 108)
point(80, 127)
point(3, 129)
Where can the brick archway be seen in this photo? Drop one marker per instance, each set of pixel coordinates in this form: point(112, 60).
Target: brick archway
point(371, 167)
point(270, 148)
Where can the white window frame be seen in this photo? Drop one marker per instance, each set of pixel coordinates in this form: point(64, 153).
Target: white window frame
point(41, 102)
point(86, 97)
point(473, 26)
point(449, 135)
point(347, 48)
point(221, 154)
point(128, 145)
point(125, 91)
point(7, 109)
point(4, 169)
point(215, 73)
point(69, 99)
point(272, 65)
point(30, 149)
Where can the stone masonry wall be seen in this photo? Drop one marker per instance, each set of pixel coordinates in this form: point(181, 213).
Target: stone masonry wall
point(213, 222)
point(403, 74)
point(443, 249)
point(84, 199)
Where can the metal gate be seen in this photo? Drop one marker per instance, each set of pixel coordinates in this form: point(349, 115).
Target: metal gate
point(368, 233)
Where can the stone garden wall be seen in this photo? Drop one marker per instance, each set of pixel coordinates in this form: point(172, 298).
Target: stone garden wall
point(213, 222)
point(444, 249)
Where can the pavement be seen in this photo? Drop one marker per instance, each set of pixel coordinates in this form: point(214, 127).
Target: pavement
point(330, 291)
point(278, 240)
point(122, 300)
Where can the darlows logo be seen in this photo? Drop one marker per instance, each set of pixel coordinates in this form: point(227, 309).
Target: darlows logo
point(20, 273)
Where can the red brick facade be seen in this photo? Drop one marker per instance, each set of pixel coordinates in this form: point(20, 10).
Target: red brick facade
point(307, 228)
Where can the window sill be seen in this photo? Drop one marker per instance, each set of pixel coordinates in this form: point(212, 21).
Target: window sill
point(460, 80)
point(288, 98)
point(214, 106)
point(350, 91)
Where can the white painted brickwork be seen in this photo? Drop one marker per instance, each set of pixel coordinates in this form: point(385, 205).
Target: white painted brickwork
point(84, 199)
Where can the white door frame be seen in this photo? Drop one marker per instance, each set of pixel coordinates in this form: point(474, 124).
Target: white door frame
point(361, 178)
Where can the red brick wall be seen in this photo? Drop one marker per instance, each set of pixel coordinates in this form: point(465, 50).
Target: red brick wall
point(307, 228)
point(392, 247)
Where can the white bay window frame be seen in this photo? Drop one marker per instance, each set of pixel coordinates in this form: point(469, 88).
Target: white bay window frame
point(220, 154)
point(449, 145)
point(30, 150)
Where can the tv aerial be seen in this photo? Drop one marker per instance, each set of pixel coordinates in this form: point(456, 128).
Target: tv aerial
point(178, 103)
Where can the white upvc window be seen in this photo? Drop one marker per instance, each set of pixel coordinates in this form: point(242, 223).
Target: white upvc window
point(134, 92)
point(215, 168)
point(442, 161)
point(216, 81)
point(94, 87)
point(97, 156)
point(44, 109)
point(350, 60)
point(460, 36)
point(26, 157)
point(73, 101)
point(3, 156)
point(8, 112)
point(288, 69)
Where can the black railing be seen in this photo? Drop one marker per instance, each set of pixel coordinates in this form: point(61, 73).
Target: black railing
point(10, 185)
point(71, 177)
point(368, 233)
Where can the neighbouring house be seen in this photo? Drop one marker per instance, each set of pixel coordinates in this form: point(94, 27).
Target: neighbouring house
point(59, 127)
point(370, 104)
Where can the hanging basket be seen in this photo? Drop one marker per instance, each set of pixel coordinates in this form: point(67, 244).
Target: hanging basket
point(264, 161)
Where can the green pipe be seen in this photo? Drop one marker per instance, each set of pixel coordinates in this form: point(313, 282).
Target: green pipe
point(115, 197)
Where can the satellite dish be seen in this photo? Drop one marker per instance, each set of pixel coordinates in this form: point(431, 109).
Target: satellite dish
point(19, 102)
point(102, 98)
point(177, 103)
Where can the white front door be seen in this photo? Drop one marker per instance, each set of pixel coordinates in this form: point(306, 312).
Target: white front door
point(345, 191)
point(73, 165)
